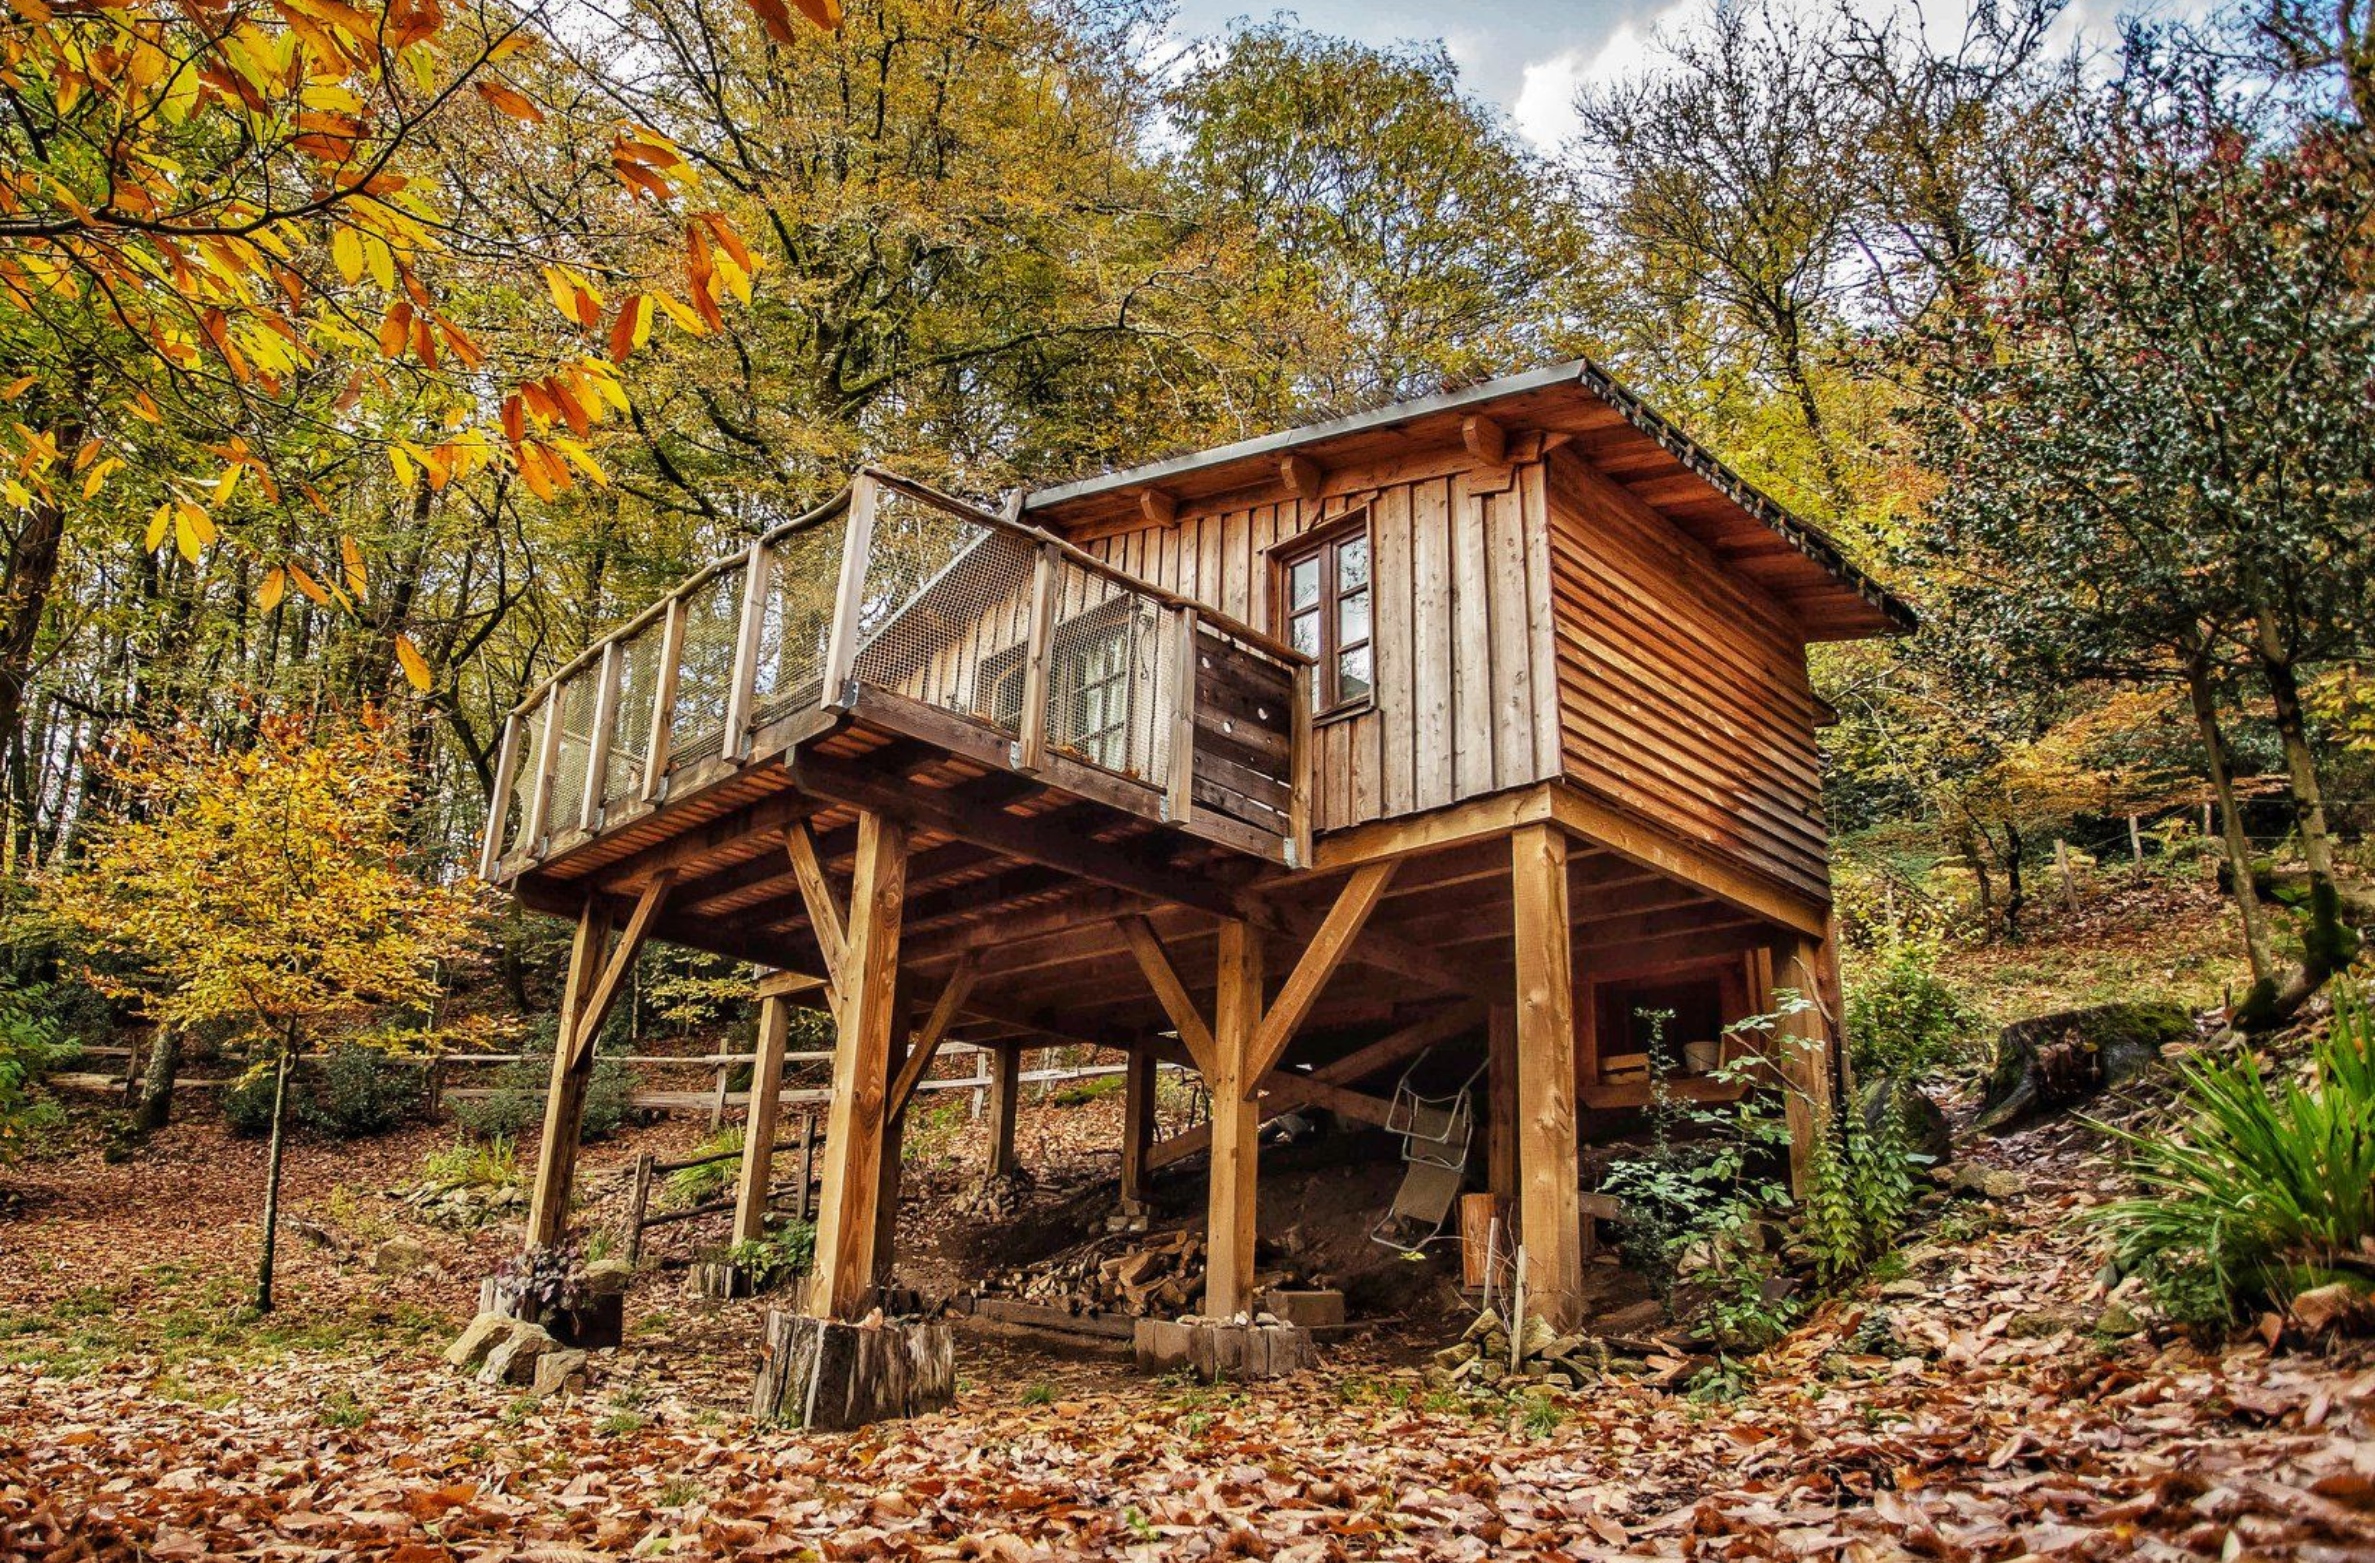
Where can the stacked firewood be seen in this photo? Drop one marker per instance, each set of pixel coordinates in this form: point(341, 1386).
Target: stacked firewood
point(1159, 1275)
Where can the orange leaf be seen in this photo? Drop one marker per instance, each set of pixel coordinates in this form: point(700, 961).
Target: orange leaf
point(511, 101)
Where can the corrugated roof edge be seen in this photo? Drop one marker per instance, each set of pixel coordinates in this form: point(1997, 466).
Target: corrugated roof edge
point(1807, 538)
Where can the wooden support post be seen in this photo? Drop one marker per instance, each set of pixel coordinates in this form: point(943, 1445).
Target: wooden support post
point(1299, 771)
point(758, 1125)
point(564, 1102)
point(844, 1278)
point(894, 1146)
point(638, 1201)
point(1030, 742)
point(1500, 1099)
point(742, 688)
point(1179, 794)
point(849, 592)
point(805, 1205)
point(717, 1098)
point(1549, 1214)
point(981, 1089)
point(663, 700)
point(540, 786)
point(1005, 1101)
point(1805, 1062)
point(606, 692)
point(1236, 1125)
point(1138, 1122)
point(507, 768)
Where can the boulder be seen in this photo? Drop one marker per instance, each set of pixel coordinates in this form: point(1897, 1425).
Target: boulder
point(2050, 1062)
point(559, 1372)
point(483, 1334)
point(513, 1361)
point(607, 1277)
point(1995, 1183)
point(399, 1256)
point(1920, 1121)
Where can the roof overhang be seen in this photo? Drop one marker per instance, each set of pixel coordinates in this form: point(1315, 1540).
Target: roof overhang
point(1603, 425)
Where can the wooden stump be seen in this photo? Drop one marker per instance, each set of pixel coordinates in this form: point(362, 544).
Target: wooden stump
point(825, 1374)
point(1217, 1351)
point(719, 1280)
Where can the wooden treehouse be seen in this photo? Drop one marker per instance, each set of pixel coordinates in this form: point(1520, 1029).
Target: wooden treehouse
point(1498, 697)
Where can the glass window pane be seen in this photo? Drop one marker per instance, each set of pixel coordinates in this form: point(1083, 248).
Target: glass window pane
point(1352, 674)
point(1303, 632)
point(1352, 621)
point(1352, 564)
point(1302, 582)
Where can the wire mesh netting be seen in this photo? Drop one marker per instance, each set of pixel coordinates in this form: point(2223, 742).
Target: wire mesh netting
point(1105, 659)
point(705, 668)
point(631, 726)
point(574, 700)
point(945, 611)
point(796, 617)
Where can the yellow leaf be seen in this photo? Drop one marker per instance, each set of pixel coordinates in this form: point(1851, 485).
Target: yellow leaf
point(225, 484)
point(416, 666)
point(382, 262)
point(16, 388)
point(403, 465)
point(307, 584)
point(691, 323)
point(351, 552)
point(346, 248)
point(275, 586)
point(96, 479)
point(193, 529)
point(160, 522)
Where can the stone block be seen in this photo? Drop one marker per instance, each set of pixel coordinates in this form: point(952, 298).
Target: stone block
point(482, 1335)
point(1317, 1309)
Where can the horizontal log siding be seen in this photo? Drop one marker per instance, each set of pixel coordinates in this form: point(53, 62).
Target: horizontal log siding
point(1465, 694)
point(1683, 693)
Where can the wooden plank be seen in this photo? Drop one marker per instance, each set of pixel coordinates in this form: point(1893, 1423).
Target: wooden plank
point(1146, 947)
point(1543, 651)
point(606, 693)
point(1549, 1221)
point(1803, 1040)
point(1512, 642)
point(935, 1029)
point(1391, 589)
point(1431, 677)
point(1501, 1113)
point(758, 1133)
point(622, 960)
point(742, 683)
point(1472, 651)
point(846, 1227)
point(1300, 810)
point(1236, 1136)
point(540, 796)
point(1318, 963)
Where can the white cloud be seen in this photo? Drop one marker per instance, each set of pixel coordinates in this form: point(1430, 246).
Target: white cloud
point(1544, 108)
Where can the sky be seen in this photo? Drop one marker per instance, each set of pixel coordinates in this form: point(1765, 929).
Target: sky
point(1529, 56)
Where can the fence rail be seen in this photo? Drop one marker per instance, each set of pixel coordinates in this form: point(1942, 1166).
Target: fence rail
point(896, 587)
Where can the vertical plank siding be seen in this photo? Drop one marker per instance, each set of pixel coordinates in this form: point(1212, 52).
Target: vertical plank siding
point(1682, 689)
point(1461, 663)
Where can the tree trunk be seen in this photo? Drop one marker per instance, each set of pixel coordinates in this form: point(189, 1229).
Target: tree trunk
point(2016, 894)
point(156, 1086)
point(2308, 798)
point(2238, 848)
point(280, 1115)
point(1975, 849)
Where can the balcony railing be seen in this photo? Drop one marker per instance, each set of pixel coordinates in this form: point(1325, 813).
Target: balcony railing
point(894, 596)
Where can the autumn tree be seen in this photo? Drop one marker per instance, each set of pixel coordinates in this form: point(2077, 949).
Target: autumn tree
point(2151, 425)
point(263, 886)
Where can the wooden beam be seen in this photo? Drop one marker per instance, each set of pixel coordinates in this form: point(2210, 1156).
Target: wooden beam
point(1158, 506)
point(1486, 440)
point(1236, 1128)
point(1034, 840)
point(1549, 1216)
point(589, 814)
point(742, 685)
point(1319, 961)
point(1500, 1105)
point(663, 703)
point(622, 960)
point(787, 984)
point(758, 1131)
point(1806, 1062)
point(1147, 947)
point(1030, 742)
point(841, 642)
point(1286, 1091)
point(934, 1030)
point(846, 1227)
point(1301, 474)
point(1179, 800)
point(564, 1102)
point(825, 915)
point(1606, 825)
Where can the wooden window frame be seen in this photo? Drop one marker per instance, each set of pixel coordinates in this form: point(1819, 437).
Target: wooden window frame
point(1327, 702)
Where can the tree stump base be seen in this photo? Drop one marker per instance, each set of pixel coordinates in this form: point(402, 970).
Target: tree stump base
point(1213, 1351)
point(832, 1376)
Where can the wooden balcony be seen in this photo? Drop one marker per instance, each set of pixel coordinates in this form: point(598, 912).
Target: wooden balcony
point(903, 650)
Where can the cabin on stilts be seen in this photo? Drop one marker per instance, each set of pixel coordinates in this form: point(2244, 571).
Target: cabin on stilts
point(1497, 698)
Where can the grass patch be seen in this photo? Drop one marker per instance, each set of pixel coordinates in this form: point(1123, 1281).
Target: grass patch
point(1082, 1092)
point(689, 1186)
point(474, 1164)
point(95, 1329)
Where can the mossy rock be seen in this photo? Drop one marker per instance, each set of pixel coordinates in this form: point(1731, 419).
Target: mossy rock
point(2050, 1062)
point(1920, 1120)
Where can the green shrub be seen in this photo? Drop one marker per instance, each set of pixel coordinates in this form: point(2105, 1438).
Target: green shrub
point(514, 1103)
point(356, 1091)
point(487, 1164)
point(688, 1186)
point(33, 1042)
point(787, 1251)
point(1902, 1018)
point(2266, 1185)
point(362, 1091)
